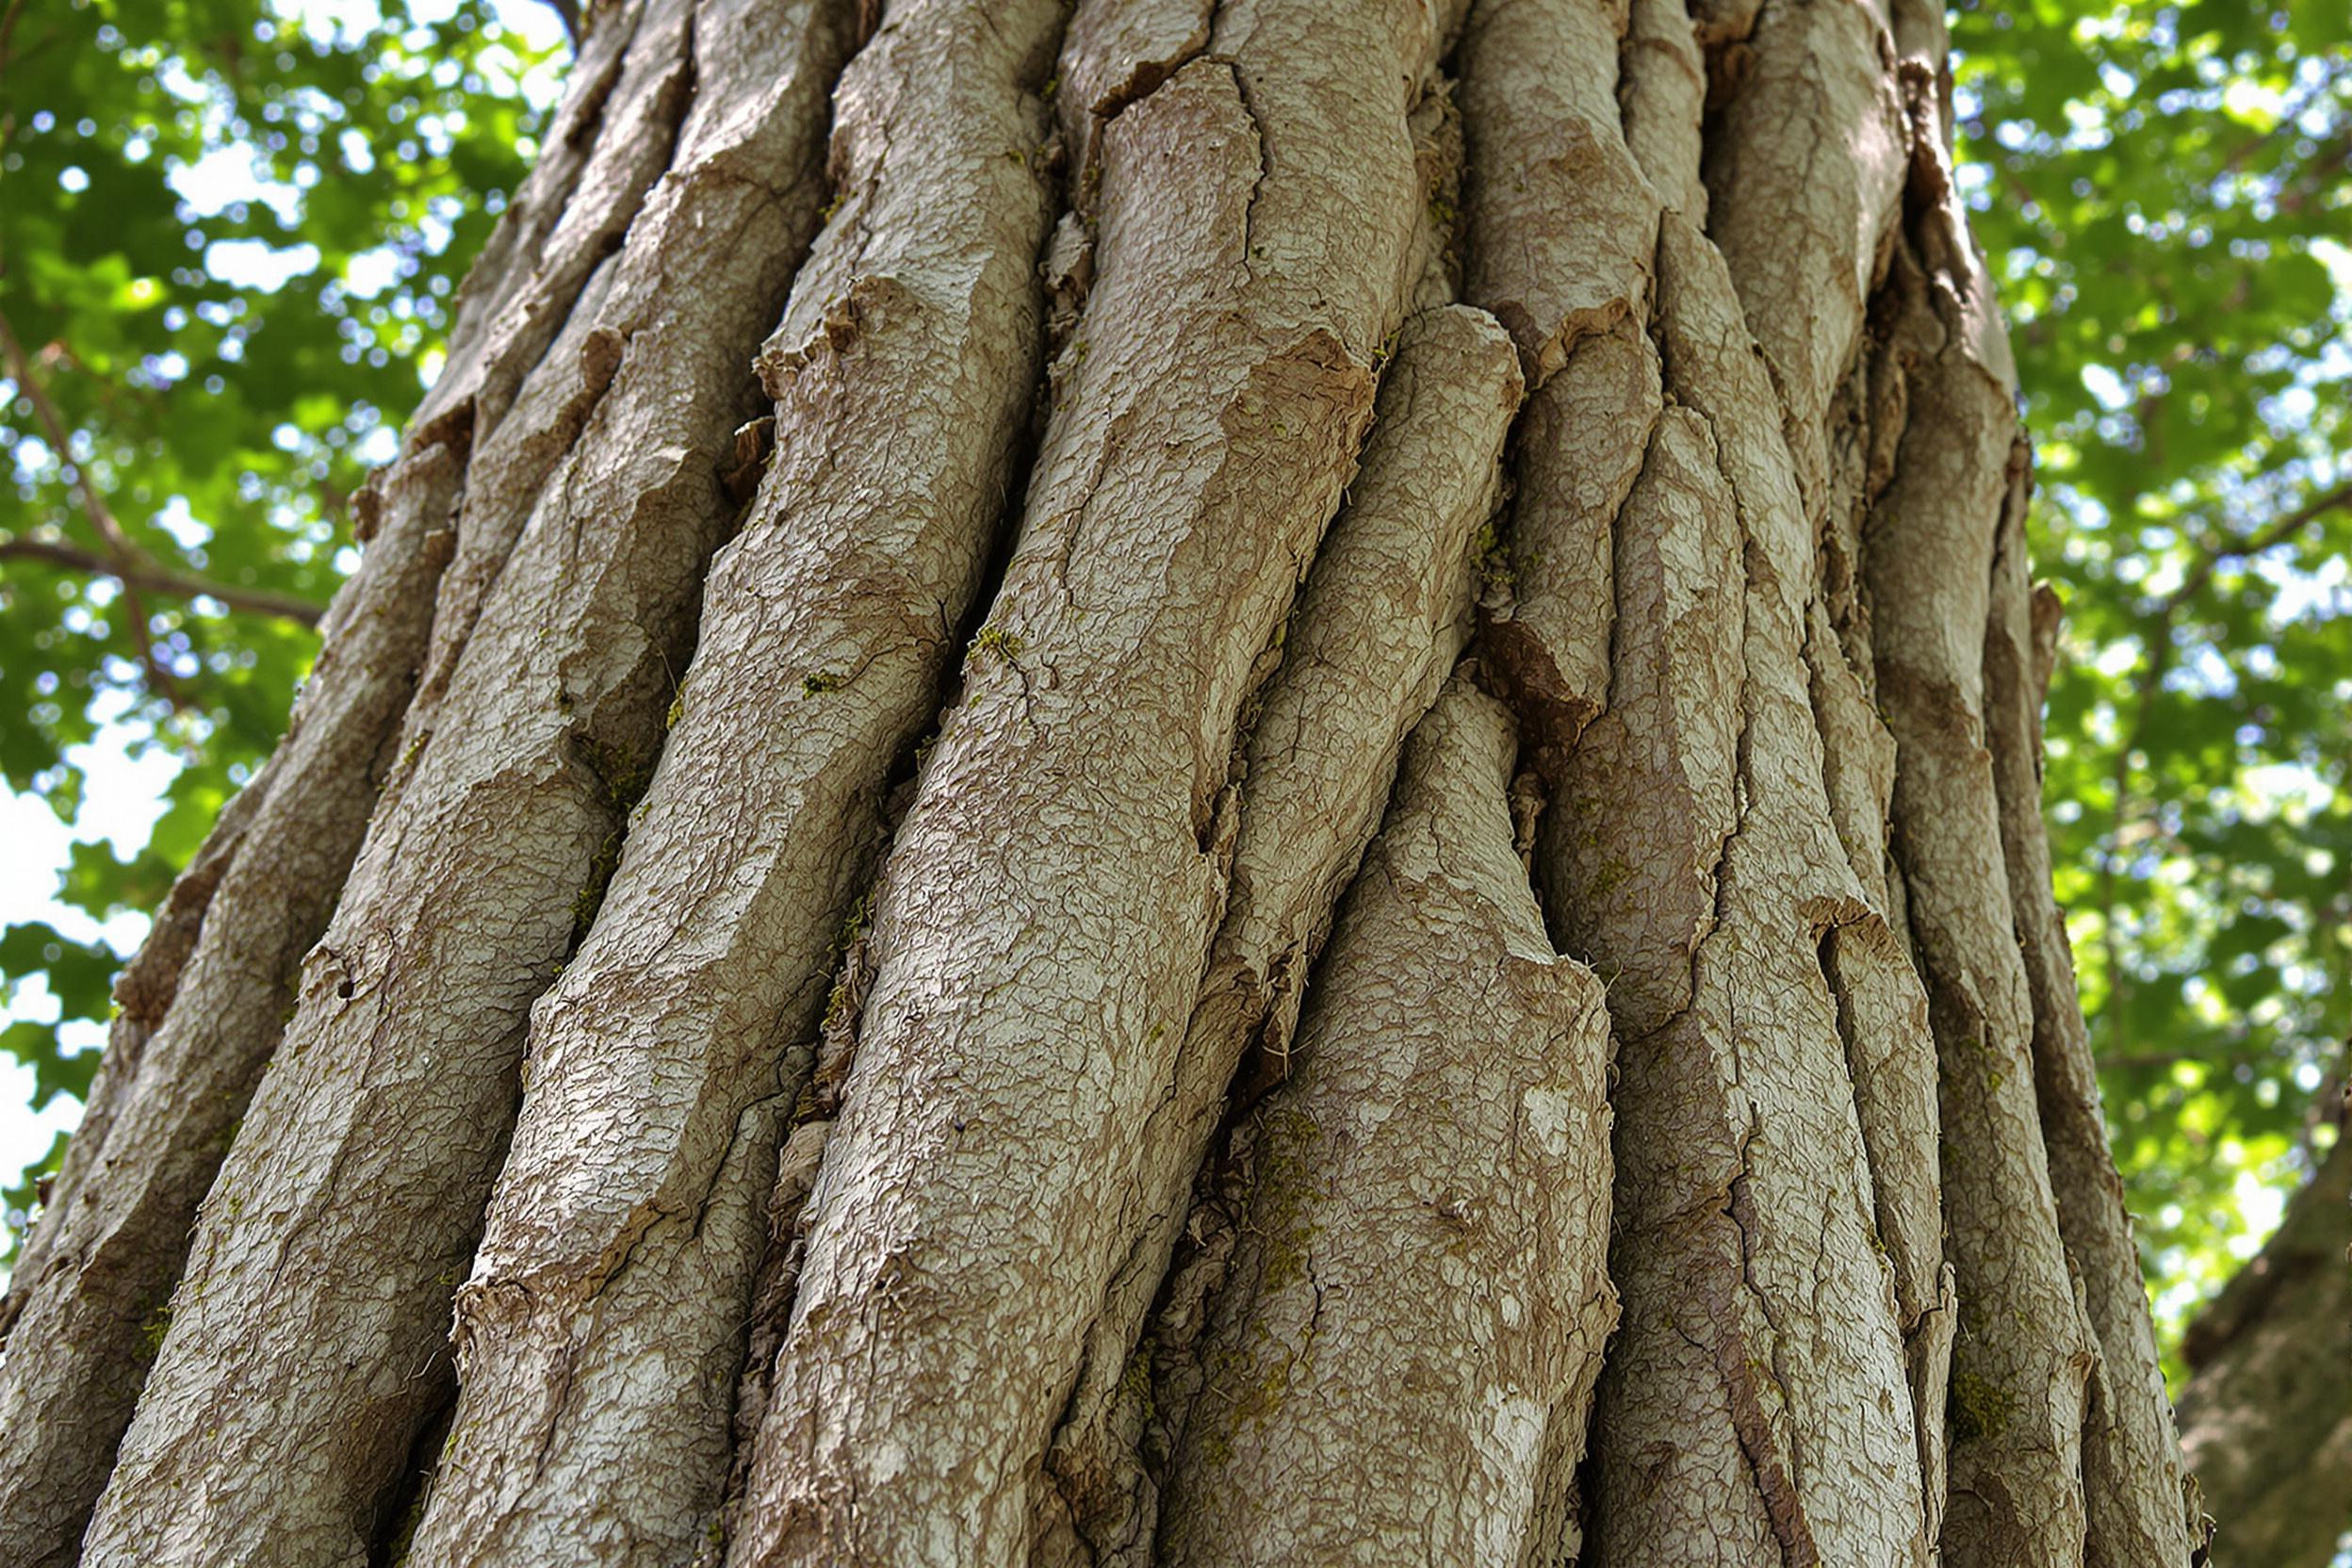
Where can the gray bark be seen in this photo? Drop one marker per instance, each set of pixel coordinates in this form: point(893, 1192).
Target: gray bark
point(2266, 1417)
point(1258, 782)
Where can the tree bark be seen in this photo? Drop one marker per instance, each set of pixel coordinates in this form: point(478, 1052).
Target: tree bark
point(1256, 782)
point(2266, 1417)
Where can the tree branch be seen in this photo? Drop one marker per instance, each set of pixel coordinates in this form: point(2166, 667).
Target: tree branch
point(2156, 637)
point(2169, 1058)
point(123, 560)
point(2261, 539)
point(2286, 121)
point(8, 29)
point(110, 532)
point(567, 12)
point(158, 579)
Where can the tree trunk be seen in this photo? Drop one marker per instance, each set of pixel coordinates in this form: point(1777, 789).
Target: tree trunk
point(1255, 782)
point(2267, 1414)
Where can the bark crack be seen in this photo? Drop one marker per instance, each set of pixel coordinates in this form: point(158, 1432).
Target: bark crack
point(1762, 1437)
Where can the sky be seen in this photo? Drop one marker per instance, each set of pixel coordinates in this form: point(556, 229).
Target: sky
point(126, 796)
point(125, 782)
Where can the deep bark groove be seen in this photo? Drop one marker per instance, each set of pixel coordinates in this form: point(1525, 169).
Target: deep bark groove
point(902, 371)
point(2142, 1506)
point(2024, 1350)
point(1446, 1123)
point(93, 1291)
point(1383, 617)
point(345, 1215)
point(1134, 590)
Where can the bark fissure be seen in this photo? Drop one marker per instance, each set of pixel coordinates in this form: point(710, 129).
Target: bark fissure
point(1392, 1109)
point(824, 643)
point(571, 213)
point(1314, 771)
point(184, 1107)
point(1274, 385)
point(2142, 1505)
point(825, 1073)
point(2023, 1352)
point(101, 1269)
point(1806, 166)
point(1762, 554)
point(1562, 237)
point(1777, 1477)
point(349, 1208)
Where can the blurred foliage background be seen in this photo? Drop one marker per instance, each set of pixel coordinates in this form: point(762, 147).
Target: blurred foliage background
point(2162, 190)
point(229, 232)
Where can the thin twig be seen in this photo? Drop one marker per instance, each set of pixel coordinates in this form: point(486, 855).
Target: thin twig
point(2286, 121)
point(8, 29)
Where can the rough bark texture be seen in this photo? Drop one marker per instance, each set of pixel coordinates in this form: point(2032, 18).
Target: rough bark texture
point(305, 1344)
point(2266, 1418)
point(1382, 619)
point(902, 375)
point(93, 1287)
point(1264, 790)
point(1422, 1249)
